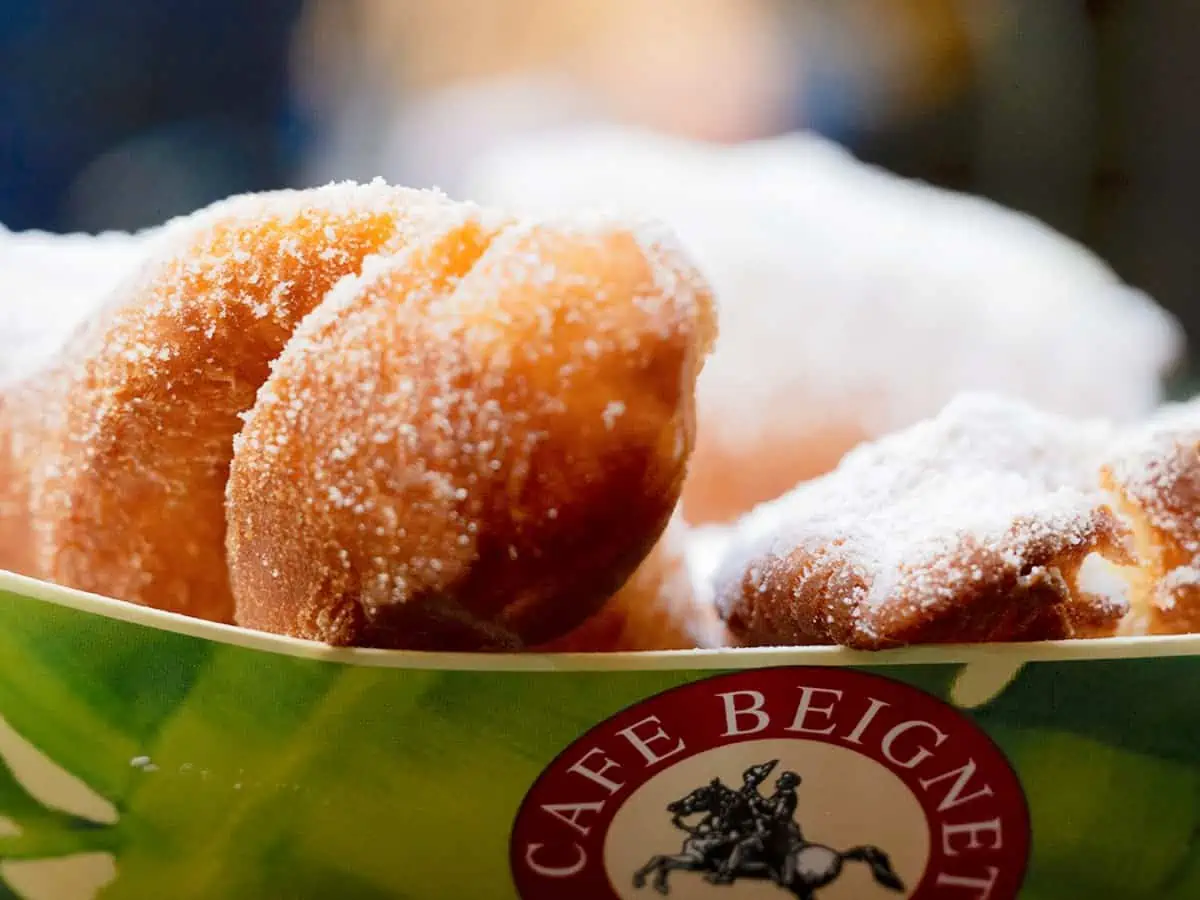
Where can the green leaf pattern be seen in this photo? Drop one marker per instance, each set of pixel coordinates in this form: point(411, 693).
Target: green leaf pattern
point(234, 773)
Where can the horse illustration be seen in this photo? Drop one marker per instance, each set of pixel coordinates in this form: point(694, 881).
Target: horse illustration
point(768, 847)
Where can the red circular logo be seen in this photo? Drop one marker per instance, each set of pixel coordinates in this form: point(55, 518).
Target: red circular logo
point(804, 782)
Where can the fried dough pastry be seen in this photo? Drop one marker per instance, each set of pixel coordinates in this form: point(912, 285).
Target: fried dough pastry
point(1154, 473)
point(129, 499)
point(661, 607)
point(474, 444)
point(969, 527)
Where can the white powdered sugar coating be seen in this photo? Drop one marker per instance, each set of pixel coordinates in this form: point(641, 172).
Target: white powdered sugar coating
point(705, 547)
point(845, 291)
point(51, 286)
point(987, 471)
point(51, 283)
point(226, 262)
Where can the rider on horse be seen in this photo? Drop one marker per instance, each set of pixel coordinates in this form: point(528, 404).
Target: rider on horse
point(771, 814)
point(746, 825)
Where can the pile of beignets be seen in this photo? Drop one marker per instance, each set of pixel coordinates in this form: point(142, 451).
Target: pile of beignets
point(373, 416)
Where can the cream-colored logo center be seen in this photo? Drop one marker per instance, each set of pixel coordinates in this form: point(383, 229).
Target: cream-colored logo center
point(799, 815)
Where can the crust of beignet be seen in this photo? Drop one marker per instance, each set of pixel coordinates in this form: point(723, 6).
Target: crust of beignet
point(475, 444)
point(1011, 591)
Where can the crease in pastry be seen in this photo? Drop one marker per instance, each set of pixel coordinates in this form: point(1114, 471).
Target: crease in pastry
point(496, 421)
point(138, 415)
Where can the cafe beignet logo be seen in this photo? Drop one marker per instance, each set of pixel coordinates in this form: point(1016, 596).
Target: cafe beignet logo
point(790, 782)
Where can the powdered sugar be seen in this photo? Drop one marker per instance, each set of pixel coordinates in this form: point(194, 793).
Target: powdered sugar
point(51, 283)
point(705, 547)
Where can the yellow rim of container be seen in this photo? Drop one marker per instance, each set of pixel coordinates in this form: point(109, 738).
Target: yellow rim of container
point(1017, 653)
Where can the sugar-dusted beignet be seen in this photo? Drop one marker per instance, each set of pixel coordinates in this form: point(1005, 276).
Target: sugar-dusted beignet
point(476, 443)
point(971, 526)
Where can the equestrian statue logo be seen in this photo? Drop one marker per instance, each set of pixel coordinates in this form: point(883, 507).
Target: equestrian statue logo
point(740, 833)
point(886, 767)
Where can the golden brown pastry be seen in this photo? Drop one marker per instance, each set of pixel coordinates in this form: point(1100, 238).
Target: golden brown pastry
point(1154, 473)
point(476, 443)
point(128, 498)
point(659, 608)
point(971, 526)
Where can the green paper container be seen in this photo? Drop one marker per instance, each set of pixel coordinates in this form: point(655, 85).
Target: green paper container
point(146, 755)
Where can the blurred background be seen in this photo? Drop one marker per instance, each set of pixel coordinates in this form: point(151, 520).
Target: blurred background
point(119, 115)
